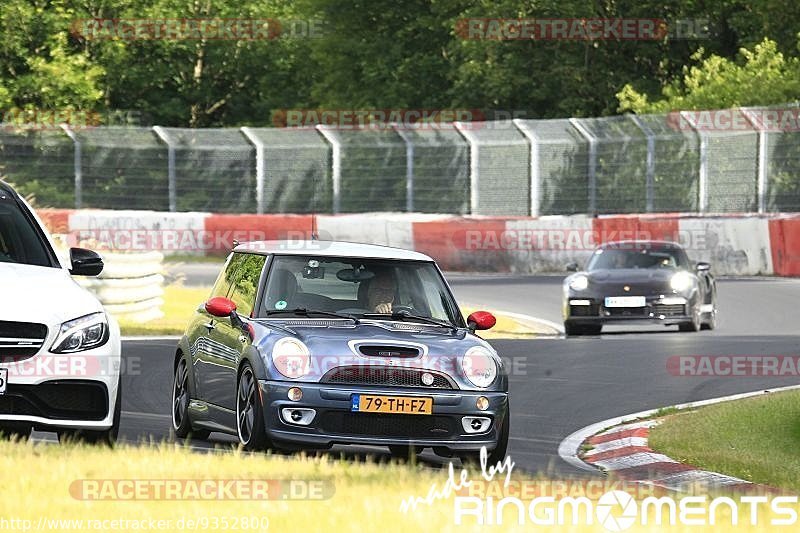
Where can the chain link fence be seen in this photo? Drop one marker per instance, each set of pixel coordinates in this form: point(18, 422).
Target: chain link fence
point(726, 161)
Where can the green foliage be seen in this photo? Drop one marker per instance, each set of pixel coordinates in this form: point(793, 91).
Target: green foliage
point(762, 76)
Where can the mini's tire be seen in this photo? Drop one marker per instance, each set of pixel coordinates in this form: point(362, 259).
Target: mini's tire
point(249, 412)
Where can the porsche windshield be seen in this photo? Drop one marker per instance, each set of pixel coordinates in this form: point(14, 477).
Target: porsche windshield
point(635, 258)
point(357, 287)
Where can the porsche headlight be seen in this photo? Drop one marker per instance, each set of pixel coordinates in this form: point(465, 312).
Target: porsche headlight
point(681, 281)
point(579, 283)
point(291, 357)
point(81, 334)
point(479, 366)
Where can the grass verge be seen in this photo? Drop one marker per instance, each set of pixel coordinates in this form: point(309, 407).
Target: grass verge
point(180, 302)
point(44, 481)
point(755, 439)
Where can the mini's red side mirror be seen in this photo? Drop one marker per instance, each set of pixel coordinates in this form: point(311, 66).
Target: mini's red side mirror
point(481, 320)
point(221, 307)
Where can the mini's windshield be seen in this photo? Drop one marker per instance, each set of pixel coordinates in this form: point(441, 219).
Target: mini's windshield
point(357, 287)
point(20, 242)
point(638, 257)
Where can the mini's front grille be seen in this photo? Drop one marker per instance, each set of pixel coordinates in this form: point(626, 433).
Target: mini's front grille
point(20, 340)
point(377, 350)
point(61, 400)
point(670, 309)
point(382, 425)
point(384, 376)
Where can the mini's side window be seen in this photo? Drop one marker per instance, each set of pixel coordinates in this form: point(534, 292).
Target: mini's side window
point(246, 285)
point(222, 287)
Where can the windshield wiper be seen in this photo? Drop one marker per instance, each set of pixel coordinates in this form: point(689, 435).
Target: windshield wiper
point(302, 311)
point(405, 314)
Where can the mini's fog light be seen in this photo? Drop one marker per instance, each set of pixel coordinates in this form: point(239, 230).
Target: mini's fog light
point(295, 394)
point(482, 403)
point(297, 416)
point(427, 379)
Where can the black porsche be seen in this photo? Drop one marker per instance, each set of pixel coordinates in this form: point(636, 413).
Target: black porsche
point(639, 282)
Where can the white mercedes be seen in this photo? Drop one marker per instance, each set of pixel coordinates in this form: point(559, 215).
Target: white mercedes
point(60, 351)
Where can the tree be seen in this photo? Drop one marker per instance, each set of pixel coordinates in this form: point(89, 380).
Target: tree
point(762, 76)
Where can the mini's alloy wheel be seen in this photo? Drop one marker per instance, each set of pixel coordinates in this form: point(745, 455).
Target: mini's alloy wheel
point(249, 414)
point(180, 401)
point(181, 422)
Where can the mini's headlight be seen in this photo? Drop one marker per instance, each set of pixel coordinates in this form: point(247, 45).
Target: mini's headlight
point(81, 334)
point(291, 357)
point(579, 283)
point(681, 281)
point(479, 366)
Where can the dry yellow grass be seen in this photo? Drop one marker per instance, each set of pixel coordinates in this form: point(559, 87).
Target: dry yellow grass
point(40, 486)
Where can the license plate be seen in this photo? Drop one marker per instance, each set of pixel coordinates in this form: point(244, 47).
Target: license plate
point(625, 301)
point(365, 403)
point(3, 380)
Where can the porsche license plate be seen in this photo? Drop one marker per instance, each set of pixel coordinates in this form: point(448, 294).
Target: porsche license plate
point(366, 403)
point(625, 301)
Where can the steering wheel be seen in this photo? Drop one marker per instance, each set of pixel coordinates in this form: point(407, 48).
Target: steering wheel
point(402, 309)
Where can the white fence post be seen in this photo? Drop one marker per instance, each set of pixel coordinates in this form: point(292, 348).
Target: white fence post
point(592, 163)
point(651, 162)
point(762, 159)
point(474, 165)
point(77, 170)
point(173, 189)
point(533, 140)
point(409, 167)
point(702, 175)
point(336, 166)
point(260, 167)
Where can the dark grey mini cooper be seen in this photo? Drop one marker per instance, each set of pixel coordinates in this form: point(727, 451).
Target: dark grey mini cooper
point(309, 344)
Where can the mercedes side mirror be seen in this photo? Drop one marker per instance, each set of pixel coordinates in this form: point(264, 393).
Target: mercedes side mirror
point(85, 262)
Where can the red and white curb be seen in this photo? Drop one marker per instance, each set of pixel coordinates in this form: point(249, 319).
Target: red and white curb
point(624, 452)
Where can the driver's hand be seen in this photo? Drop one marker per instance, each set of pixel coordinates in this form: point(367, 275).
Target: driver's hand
point(384, 308)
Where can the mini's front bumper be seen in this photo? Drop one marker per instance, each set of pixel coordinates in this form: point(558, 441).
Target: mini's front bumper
point(335, 423)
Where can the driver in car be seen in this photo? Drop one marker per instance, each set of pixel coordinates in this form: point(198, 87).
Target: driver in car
point(381, 292)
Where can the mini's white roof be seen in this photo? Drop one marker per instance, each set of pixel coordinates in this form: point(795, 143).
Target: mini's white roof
point(330, 249)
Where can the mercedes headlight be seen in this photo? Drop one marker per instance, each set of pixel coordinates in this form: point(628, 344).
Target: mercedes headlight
point(479, 366)
point(579, 283)
point(81, 334)
point(291, 357)
point(681, 281)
